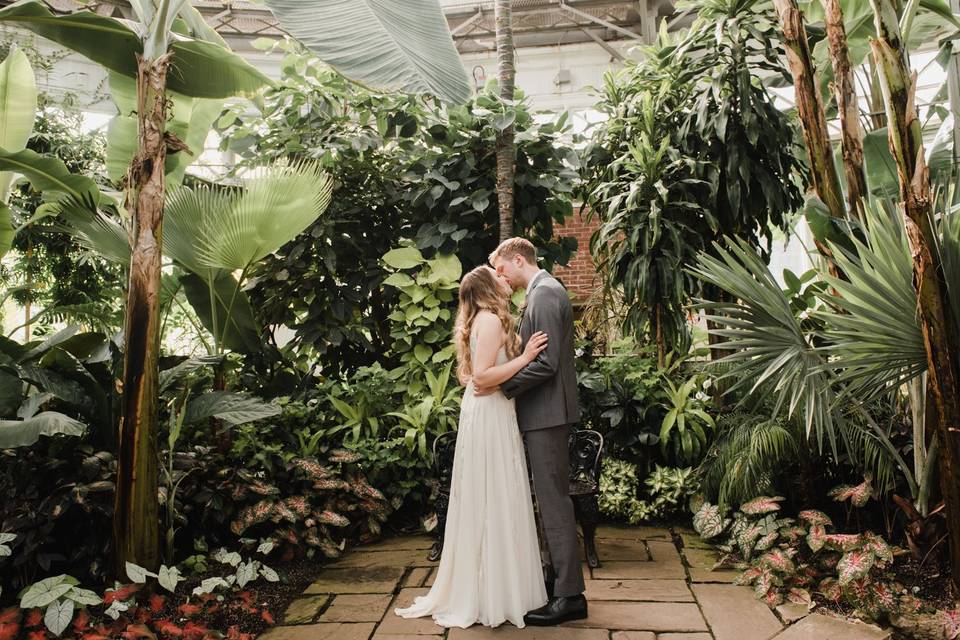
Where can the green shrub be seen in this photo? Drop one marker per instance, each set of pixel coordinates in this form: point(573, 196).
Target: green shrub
point(666, 491)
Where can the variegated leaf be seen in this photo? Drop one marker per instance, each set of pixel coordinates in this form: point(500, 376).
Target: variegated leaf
point(777, 560)
point(800, 596)
point(815, 537)
point(842, 541)
point(762, 504)
point(812, 516)
point(830, 589)
point(854, 565)
point(709, 521)
point(858, 495)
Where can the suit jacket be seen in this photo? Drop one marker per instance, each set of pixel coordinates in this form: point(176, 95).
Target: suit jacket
point(546, 389)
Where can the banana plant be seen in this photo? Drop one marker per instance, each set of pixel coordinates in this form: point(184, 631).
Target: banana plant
point(18, 108)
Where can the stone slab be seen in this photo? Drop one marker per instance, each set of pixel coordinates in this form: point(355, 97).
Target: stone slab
point(363, 607)
point(633, 635)
point(400, 543)
point(684, 636)
point(643, 616)
point(701, 562)
point(393, 624)
point(430, 578)
point(790, 612)
point(821, 627)
point(626, 532)
point(304, 610)
point(693, 540)
point(509, 632)
point(639, 590)
point(395, 558)
point(357, 580)
point(663, 551)
point(328, 631)
point(640, 571)
point(734, 613)
point(615, 549)
point(416, 577)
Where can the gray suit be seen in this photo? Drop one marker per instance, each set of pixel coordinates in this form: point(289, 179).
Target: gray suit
point(546, 392)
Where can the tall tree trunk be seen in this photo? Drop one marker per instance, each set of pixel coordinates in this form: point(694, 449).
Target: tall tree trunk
point(506, 162)
point(846, 92)
point(136, 527)
point(813, 122)
point(940, 340)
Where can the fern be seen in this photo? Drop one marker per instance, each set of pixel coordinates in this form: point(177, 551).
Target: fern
point(746, 456)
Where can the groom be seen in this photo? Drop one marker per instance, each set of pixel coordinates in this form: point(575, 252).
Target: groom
point(546, 392)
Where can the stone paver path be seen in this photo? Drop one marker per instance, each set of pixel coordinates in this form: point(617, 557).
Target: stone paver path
point(649, 588)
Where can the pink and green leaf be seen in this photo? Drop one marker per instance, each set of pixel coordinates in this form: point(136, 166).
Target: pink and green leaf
point(762, 504)
point(854, 565)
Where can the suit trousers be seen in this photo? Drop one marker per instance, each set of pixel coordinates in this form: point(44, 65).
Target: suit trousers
point(549, 455)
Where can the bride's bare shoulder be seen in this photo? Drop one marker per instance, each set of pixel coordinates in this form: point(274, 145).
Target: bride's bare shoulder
point(487, 322)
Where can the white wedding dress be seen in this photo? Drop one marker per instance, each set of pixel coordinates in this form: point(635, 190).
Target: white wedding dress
point(490, 569)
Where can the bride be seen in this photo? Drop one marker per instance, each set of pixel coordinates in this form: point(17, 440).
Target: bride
point(490, 569)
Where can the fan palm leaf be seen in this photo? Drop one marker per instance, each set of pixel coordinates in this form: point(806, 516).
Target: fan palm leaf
point(768, 342)
point(871, 325)
point(274, 208)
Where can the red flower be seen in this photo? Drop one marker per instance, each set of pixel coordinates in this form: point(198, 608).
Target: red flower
point(156, 602)
point(9, 630)
point(168, 628)
point(123, 593)
point(267, 617)
point(189, 610)
point(82, 621)
point(135, 631)
point(37, 635)
point(193, 631)
point(10, 615)
point(34, 618)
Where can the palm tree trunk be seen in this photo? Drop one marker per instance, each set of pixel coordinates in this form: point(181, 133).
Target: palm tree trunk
point(506, 162)
point(136, 527)
point(848, 107)
point(826, 182)
point(906, 145)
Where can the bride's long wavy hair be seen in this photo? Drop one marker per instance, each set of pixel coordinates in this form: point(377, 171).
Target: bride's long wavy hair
point(479, 291)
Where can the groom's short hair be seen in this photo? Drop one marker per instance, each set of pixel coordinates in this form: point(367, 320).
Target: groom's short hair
point(512, 247)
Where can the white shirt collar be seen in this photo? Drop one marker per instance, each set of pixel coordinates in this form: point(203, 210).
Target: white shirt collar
point(535, 278)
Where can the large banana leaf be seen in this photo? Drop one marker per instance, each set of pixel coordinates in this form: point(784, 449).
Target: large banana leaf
point(23, 433)
point(190, 120)
point(49, 174)
point(199, 69)
point(18, 107)
point(391, 45)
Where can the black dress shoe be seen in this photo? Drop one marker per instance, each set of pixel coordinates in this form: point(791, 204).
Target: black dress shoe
point(558, 610)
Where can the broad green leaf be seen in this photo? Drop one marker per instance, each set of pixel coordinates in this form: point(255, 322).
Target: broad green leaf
point(445, 268)
point(231, 407)
point(47, 173)
point(168, 377)
point(6, 228)
point(168, 577)
point(41, 594)
point(138, 574)
point(390, 45)
point(84, 597)
point(403, 258)
point(58, 616)
point(199, 69)
point(18, 107)
point(23, 433)
point(422, 353)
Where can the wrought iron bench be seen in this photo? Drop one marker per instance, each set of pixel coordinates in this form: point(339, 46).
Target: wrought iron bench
point(586, 449)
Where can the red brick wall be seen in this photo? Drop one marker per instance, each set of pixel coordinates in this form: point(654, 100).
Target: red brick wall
point(580, 276)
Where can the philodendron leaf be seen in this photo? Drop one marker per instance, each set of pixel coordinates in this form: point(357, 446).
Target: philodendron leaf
point(42, 593)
